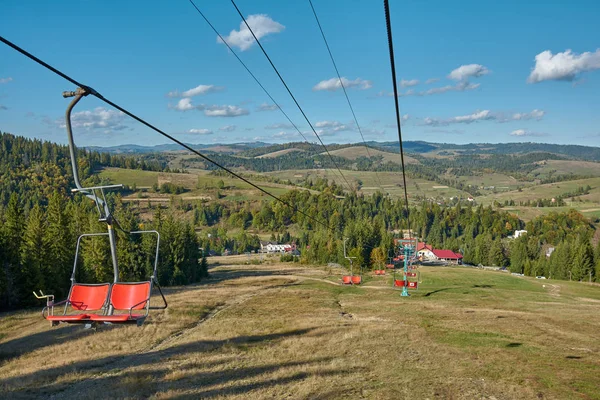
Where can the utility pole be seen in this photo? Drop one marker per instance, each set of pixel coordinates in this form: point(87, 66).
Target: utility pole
point(348, 258)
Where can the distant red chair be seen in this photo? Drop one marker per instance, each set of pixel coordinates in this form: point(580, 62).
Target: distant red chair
point(356, 280)
point(347, 280)
point(398, 283)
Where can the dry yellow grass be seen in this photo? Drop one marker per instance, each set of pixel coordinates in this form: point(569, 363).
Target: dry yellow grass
point(289, 331)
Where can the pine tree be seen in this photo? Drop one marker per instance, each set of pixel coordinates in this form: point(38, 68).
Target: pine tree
point(60, 246)
point(12, 232)
point(33, 254)
point(518, 256)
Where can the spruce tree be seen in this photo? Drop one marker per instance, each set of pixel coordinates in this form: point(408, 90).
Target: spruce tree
point(33, 254)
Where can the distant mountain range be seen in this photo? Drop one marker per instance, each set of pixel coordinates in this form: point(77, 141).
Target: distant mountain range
point(571, 151)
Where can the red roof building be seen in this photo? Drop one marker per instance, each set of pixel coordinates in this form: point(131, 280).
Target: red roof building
point(447, 255)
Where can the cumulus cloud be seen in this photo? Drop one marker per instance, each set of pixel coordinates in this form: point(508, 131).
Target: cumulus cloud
point(6, 80)
point(200, 132)
point(431, 80)
point(185, 104)
point(535, 114)
point(334, 126)
point(98, 118)
point(285, 135)
point(279, 126)
point(228, 128)
point(476, 116)
point(465, 72)
point(261, 24)
point(266, 107)
point(524, 132)
point(565, 66)
point(409, 83)
point(485, 115)
point(334, 84)
point(224, 111)
point(198, 90)
point(459, 87)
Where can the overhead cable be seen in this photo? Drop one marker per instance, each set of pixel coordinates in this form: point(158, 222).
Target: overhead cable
point(388, 23)
point(344, 89)
point(253, 76)
point(291, 95)
point(149, 125)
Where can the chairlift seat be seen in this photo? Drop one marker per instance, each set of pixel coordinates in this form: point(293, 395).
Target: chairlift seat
point(83, 297)
point(67, 318)
point(347, 280)
point(356, 280)
point(127, 297)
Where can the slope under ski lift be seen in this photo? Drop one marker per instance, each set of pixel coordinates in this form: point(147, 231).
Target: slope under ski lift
point(102, 303)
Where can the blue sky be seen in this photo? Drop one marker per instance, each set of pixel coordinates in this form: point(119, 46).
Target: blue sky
point(471, 71)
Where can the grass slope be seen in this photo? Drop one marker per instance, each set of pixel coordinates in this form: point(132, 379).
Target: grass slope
point(287, 331)
point(280, 153)
point(353, 152)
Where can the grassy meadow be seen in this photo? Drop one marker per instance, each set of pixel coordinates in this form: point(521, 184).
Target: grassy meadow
point(291, 331)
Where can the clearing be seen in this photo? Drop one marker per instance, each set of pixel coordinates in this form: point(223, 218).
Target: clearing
point(291, 331)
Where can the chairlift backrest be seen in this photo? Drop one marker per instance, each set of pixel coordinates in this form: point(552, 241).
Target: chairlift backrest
point(126, 296)
point(88, 297)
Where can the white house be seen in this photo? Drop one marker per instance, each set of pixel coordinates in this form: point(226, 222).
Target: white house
point(520, 233)
point(273, 247)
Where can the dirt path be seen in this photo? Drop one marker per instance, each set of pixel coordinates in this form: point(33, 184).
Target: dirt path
point(554, 290)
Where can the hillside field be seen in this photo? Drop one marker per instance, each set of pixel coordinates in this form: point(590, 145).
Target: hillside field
point(290, 331)
point(354, 152)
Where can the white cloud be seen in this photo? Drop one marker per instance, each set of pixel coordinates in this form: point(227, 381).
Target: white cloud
point(6, 80)
point(431, 80)
point(200, 132)
point(261, 24)
point(198, 90)
point(98, 118)
point(524, 132)
point(184, 104)
point(223, 111)
point(565, 66)
point(465, 72)
point(334, 126)
point(228, 128)
point(485, 115)
point(266, 107)
point(279, 126)
point(535, 114)
point(459, 87)
point(285, 135)
point(476, 116)
point(334, 84)
point(409, 83)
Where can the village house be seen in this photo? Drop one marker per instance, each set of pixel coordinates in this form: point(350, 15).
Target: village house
point(274, 247)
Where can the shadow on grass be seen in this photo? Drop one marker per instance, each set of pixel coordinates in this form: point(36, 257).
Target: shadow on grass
point(438, 291)
point(23, 345)
point(514, 344)
point(114, 377)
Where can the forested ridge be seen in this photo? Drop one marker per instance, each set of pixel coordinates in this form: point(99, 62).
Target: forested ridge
point(40, 220)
